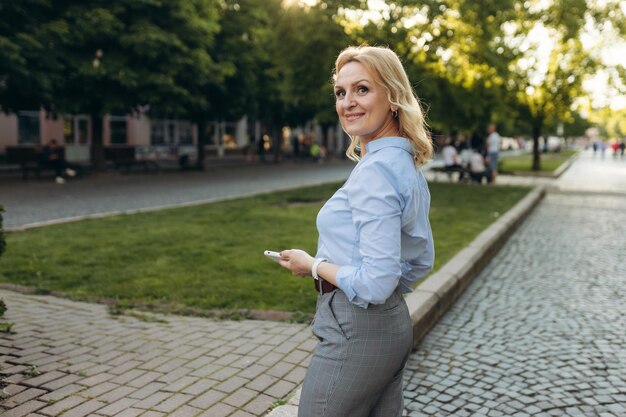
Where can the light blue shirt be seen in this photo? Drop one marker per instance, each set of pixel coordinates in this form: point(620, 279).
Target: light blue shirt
point(376, 225)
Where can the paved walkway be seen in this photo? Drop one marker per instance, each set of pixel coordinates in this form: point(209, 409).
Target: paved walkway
point(549, 336)
point(35, 201)
point(75, 359)
point(541, 331)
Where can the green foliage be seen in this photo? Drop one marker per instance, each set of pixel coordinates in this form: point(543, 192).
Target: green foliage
point(198, 259)
point(471, 62)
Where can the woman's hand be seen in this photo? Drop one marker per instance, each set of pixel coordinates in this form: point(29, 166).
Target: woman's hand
point(297, 261)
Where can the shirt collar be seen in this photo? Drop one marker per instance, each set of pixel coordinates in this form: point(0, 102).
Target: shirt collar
point(386, 142)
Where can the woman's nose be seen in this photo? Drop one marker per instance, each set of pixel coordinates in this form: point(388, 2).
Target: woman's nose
point(348, 101)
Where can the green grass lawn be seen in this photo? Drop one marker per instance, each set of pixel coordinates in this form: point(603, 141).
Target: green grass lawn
point(211, 256)
point(549, 161)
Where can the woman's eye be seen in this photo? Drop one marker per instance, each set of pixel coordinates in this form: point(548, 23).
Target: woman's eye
point(340, 93)
point(362, 90)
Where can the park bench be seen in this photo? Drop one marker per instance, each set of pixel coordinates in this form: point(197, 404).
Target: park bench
point(463, 174)
point(124, 158)
point(28, 158)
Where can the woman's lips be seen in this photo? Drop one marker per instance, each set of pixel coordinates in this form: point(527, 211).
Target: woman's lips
point(353, 116)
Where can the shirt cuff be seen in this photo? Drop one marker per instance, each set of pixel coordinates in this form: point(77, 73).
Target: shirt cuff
point(343, 276)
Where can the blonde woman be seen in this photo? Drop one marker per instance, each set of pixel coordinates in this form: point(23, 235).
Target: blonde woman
point(375, 242)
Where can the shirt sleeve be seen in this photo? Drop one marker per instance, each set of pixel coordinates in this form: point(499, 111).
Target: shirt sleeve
point(376, 206)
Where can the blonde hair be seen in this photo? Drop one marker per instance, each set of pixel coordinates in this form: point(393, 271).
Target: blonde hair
point(385, 67)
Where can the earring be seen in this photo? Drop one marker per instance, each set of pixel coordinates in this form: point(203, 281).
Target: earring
point(394, 113)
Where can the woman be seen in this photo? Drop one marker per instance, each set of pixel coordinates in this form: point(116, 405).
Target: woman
point(375, 242)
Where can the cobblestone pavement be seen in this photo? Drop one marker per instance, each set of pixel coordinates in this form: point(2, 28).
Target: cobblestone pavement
point(541, 331)
point(74, 359)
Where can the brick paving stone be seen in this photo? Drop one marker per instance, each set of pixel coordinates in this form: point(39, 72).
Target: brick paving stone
point(116, 394)
point(241, 413)
point(144, 379)
point(218, 410)
point(176, 374)
point(13, 389)
point(199, 386)
point(207, 399)
point(180, 384)
point(42, 379)
point(61, 382)
point(296, 375)
point(252, 371)
point(147, 390)
point(153, 399)
point(231, 384)
point(99, 389)
point(153, 414)
point(24, 409)
point(96, 379)
point(173, 402)
point(128, 376)
point(185, 411)
point(85, 409)
point(168, 366)
point(240, 397)
point(280, 389)
point(63, 405)
point(280, 369)
point(223, 374)
point(130, 412)
point(118, 406)
point(259, 405)
point(261, 383)
point(23, 397)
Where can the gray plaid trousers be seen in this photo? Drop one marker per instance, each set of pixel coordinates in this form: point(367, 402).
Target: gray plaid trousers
point(356, 368)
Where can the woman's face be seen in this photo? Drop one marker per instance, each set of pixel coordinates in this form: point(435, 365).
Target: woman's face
point(362, 105)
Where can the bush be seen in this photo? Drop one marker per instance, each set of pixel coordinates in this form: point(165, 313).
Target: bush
point(3, 243)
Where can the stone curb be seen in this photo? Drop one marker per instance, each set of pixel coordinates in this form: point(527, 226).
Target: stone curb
point(431, 299)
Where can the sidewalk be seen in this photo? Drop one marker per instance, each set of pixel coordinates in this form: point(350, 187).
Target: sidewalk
point(552, 308)
point(540, 332)
point(40, 201)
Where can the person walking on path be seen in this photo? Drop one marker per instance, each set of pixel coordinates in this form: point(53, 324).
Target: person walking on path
point(375, 242)
point(493, 148)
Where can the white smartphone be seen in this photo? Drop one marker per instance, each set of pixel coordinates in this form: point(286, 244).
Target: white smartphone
point(275, 256)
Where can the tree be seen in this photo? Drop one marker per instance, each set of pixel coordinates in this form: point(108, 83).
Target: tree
point(549, 73)
point(119, 56)
point(30, 64)
point(100, 57)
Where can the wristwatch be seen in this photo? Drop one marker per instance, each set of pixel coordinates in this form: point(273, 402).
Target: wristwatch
point(317, 263)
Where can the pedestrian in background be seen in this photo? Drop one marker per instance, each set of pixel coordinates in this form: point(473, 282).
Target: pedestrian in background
point(53, 156)
point(375, 243)
point(493, 148)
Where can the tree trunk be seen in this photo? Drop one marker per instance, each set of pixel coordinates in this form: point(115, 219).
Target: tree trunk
point(277, 142)
point(201, 124)
point(97, 145)
point(536, 152)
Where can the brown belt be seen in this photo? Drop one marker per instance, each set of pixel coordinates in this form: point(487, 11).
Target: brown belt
point(326, 286)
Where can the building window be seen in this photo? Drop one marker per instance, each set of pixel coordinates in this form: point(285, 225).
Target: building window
point(170, 132)
point(75, 130)
point(185, 136)
point(28, 127)
point(118, 130)
point(157, 132)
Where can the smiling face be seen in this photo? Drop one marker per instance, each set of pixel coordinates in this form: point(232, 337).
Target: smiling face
point(362, 104)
